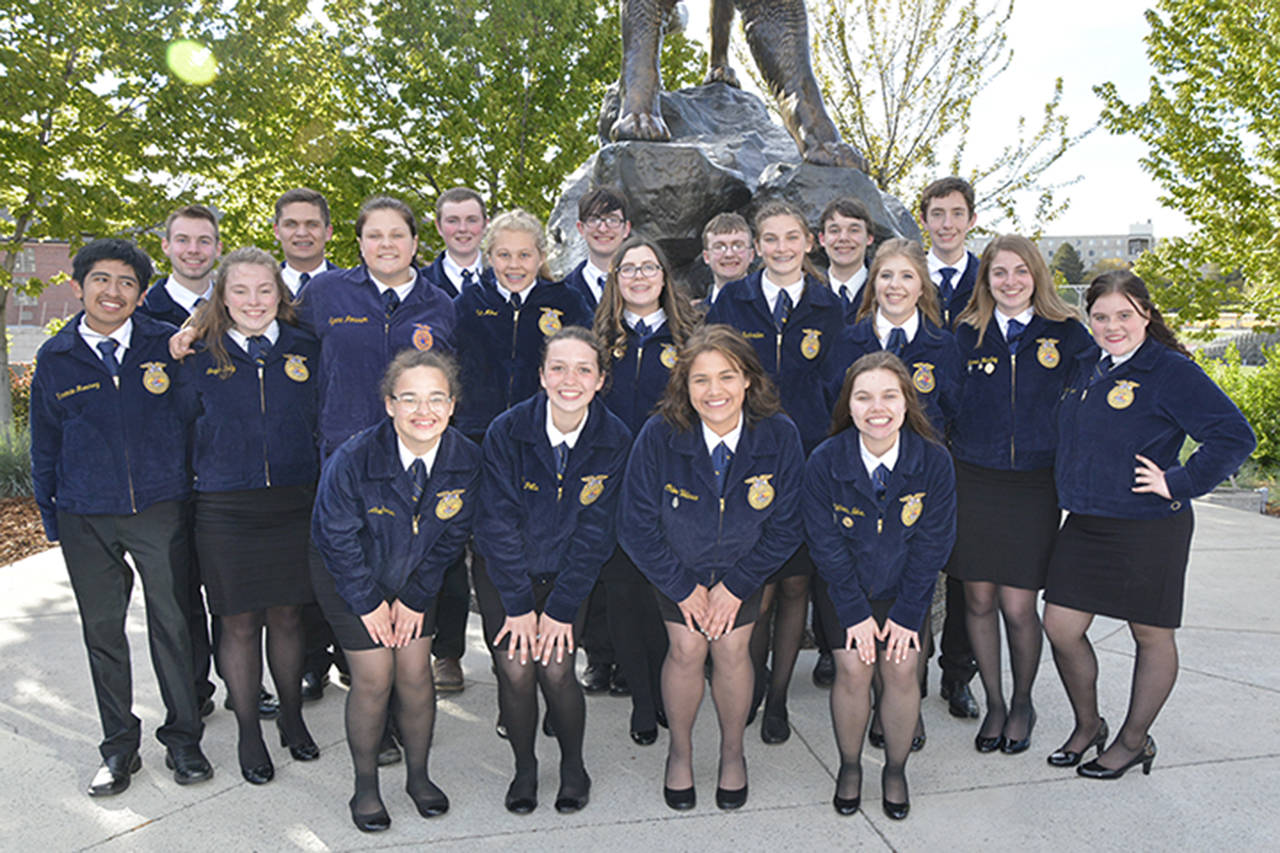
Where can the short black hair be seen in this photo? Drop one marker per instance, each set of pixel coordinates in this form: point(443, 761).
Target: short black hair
point(600, 201)
point(848, 207)
point(303, 195)
point(112, 249)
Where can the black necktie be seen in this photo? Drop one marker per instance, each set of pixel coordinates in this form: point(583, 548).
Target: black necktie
point(562, 458)
point(897, 341)
point(195, 306)
point(1012, 334)
point(642, 328)
point(390, 302)
point(467, 280)
point(418, 474)
point(516, 301)
point(944, 288)
point(259, 348)
point(721, 456)
point(600, 284)
point(781, 310)
point(880, 481)
point(107, 349)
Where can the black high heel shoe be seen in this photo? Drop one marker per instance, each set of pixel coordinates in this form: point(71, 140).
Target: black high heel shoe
point(1064, 757)
point(566, 804)
point(846, 806)
point(988, 744)
point(1146, 757)
point(376, 822)
point(260, 775)
point(1013, 747)
point(304, 751)
point(680, 799)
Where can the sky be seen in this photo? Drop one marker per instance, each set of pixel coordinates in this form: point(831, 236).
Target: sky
point(1086, 43)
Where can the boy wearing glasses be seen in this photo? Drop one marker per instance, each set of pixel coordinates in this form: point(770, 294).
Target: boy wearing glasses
point(727, 251)
point(603, 223)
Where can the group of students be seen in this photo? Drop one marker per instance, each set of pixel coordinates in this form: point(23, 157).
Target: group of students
point(356, 440)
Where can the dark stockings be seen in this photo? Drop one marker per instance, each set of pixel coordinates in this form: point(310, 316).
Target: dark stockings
point(518, 706)
point(790, 600)
point(240, 659)
point(682, 690)
point(639, 647)
point(850, 710)
point(899, 714)
point(984, 604)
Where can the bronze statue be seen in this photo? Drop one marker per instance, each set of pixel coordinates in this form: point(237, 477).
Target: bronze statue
point(778, 35)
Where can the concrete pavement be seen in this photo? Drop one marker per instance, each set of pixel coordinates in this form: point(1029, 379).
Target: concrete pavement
point(1214, 783)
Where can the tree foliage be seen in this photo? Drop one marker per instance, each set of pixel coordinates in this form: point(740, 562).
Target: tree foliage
point(900, 79)
point(1066, 260)
point(1213, 134)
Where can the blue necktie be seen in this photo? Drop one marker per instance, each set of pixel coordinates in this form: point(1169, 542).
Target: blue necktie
point(562, 458)
point(845, 296)
point(880, 481)
point(467, 280)
point(1012, 335)
point(303, 278)
point(259, 348)
point(781, 310)
point(721, 456)
point(195, 306)
point(897, 341)
point(945, 290)
point(418, 474)
point(390, 302)
point(642, 329)
point(1101, 369)
point(107, 349)
point(516, 301)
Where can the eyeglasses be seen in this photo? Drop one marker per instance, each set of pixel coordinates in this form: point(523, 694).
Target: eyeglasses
point(411, 402)
point(613, 220)
point(721, 248)
point(648, 270)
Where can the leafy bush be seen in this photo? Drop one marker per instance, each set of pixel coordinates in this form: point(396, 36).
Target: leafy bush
point(20, 381)
point(15, 463)
point(1256, 390)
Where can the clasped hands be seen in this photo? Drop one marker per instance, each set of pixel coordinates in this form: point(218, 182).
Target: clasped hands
point(898, 640)
point(393, 625)
point(536, 636)
point(711, 613)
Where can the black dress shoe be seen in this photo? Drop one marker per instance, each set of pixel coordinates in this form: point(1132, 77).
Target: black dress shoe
point(500, 728)
point(375, 822)
point(597, 677)
point(1070, 758)
point(433, 806)
point(876, 739)
point(304, 750)
point(845, 807)
point(775, 728)
point(207, 707)
point(1013, 747)
point(188, 764)
point(113, 776)
point(680, 799)
point(313, 684)
point(661, 716)
point(618, 684)
point(730, 800)
point(260, 775)
point(569, 805)
point(896, 811)
point(988, 744)
point(824, 671)
point(917, 743)
point(960, 701)
point(1146, 757)
point(520, 804)
point(647, 737)
point(547, 728)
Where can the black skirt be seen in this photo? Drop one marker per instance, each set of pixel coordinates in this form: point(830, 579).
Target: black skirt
point(1006, 524)
point(799, 563)
point(348, 629)
point(830, 622)
point(252, 547)
point(493, 614)
point(747, 611)
point(1126, 568)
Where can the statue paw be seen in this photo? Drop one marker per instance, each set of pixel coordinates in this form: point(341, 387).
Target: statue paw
point(835, 154)
point(722, 74)
point(642, 126)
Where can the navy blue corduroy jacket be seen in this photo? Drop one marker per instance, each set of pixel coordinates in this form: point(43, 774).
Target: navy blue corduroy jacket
point(639, 375)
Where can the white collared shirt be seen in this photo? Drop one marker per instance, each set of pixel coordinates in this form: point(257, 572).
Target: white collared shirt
point(884, 327)
point(506, 294)
point(654, 321)
point(407, 457)
point(402, 290)
point(555, 436)
point(853, 284)
point(713, 292)
point(772, 290)
point(730, 438)
point(293, 277)
point(1024, 318)
point(1117, 360)
point(870, 461)
point(593, 275)
point(185, 298)
point(453, 270)
point(936, 266)
point(272, 334)
point(122, 336)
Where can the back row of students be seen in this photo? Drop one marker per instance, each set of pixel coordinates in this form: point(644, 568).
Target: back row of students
point(793, 333)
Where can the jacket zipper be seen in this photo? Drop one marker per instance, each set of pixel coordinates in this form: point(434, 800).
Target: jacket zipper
point(128, 465)
point(1013, 404)
point(511, 380)
point(262, 403)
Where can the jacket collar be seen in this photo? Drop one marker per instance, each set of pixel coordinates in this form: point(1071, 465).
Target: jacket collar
point(754, 441)
point(816, 296)
point(847, 467)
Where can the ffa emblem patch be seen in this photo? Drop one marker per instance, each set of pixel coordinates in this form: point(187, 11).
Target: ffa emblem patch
point(912, 506)
point(1047, 353)
point(810, 346)
point(923, 377)
point(668, 356)
point(422, 338)
point(549, 322)
point(592, 488)
point(448, 505)
point(1121, 396)
point(294, 367)
point(759, 492)
point(155, 379)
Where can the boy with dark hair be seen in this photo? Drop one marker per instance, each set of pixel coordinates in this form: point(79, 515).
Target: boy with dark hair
point(946, 212)
point(460, 221)
point(303, 228)
point(109, 469)
point(727, 251)
point(603, 222)
point(845, 232)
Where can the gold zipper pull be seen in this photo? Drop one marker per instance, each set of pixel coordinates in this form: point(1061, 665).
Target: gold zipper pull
point(879, 526)
point(415, 525)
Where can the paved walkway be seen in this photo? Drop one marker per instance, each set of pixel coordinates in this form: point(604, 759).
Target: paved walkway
point(1214, 785)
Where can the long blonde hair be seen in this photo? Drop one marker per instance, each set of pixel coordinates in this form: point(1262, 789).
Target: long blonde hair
point(914, 254)
point(1045, 300)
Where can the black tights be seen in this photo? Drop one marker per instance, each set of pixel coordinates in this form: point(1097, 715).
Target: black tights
point(518, 706)
point(682, 690)
point(984, 604)
point(373, 672)
point(1155, 669)
point(899, 711)
point(240, 660)
point(783, 607)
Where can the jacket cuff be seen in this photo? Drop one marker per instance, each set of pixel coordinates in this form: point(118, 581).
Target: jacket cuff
point(50, 520)
point(366, 604)
point(1178, 481)
point(854, 612)
point(738, 585)
point(518, 603)
point(560, 608)
point(415, 598)
point(908, 616)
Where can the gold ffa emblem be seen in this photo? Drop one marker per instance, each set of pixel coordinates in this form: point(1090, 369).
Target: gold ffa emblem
point(449, 504)
point(759, 492)
point(923, 377)
point(549, 322)
point(294, 367)
point(810, 345)
point(619, 351)
point(592, 488)
point(1047, 353)
point(155, 379)
point(422, 338)
point(1121, 396)
point(668, 356)
point(912, 506)
point(847, 521)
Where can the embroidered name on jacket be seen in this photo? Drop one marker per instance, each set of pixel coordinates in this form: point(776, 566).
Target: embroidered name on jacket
point(336, 321)
point(92, 386)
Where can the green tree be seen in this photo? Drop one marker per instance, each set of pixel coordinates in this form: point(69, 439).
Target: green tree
point(1211, 126)
point(1105, 265)
point(900, 79)
point(1066, 260)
